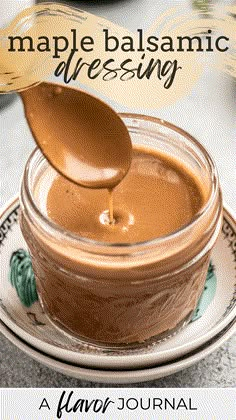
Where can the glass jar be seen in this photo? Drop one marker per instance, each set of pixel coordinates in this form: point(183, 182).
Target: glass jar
point(8, 11)
point(123, 295)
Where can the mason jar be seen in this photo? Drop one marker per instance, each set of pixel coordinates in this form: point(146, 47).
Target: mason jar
point(128, 294)
point(9, 9)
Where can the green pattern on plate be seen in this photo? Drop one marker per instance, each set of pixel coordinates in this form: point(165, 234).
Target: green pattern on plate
point(207, 294)
point(22, 277)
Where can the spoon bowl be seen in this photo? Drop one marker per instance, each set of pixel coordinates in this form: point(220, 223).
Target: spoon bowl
point(82, 137)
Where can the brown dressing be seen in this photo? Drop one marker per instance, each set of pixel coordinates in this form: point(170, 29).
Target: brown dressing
point(109, 298)
point(157, 197)
point(105, 297)
point(81, 136)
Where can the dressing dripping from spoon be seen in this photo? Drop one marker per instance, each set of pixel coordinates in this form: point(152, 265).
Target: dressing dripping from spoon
point(81, 136)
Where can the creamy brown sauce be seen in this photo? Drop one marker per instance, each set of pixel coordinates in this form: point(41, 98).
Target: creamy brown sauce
point(122, 300)
point(112, 299)
point(157, 197)
point(80, 135)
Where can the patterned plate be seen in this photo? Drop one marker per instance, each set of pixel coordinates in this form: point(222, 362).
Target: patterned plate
point(22, 313)
point(121, 376)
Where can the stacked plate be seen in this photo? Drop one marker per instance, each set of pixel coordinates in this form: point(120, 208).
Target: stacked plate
point(24, 323)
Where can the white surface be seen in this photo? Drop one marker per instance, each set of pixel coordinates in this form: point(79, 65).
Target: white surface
point(10, 8)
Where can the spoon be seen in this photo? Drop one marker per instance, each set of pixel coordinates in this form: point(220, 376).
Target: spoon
point(81, 136)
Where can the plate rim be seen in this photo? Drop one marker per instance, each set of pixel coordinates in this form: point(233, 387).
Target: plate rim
point(118, 376)
point(120, 361)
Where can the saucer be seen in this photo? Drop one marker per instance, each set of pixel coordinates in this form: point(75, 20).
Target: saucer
point(121, 376)
point(23, 315)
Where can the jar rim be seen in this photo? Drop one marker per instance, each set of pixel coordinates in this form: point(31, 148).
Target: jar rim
point(67, 235)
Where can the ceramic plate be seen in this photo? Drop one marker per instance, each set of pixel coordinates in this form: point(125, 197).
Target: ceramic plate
point(27, 320)
point(121, 376)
